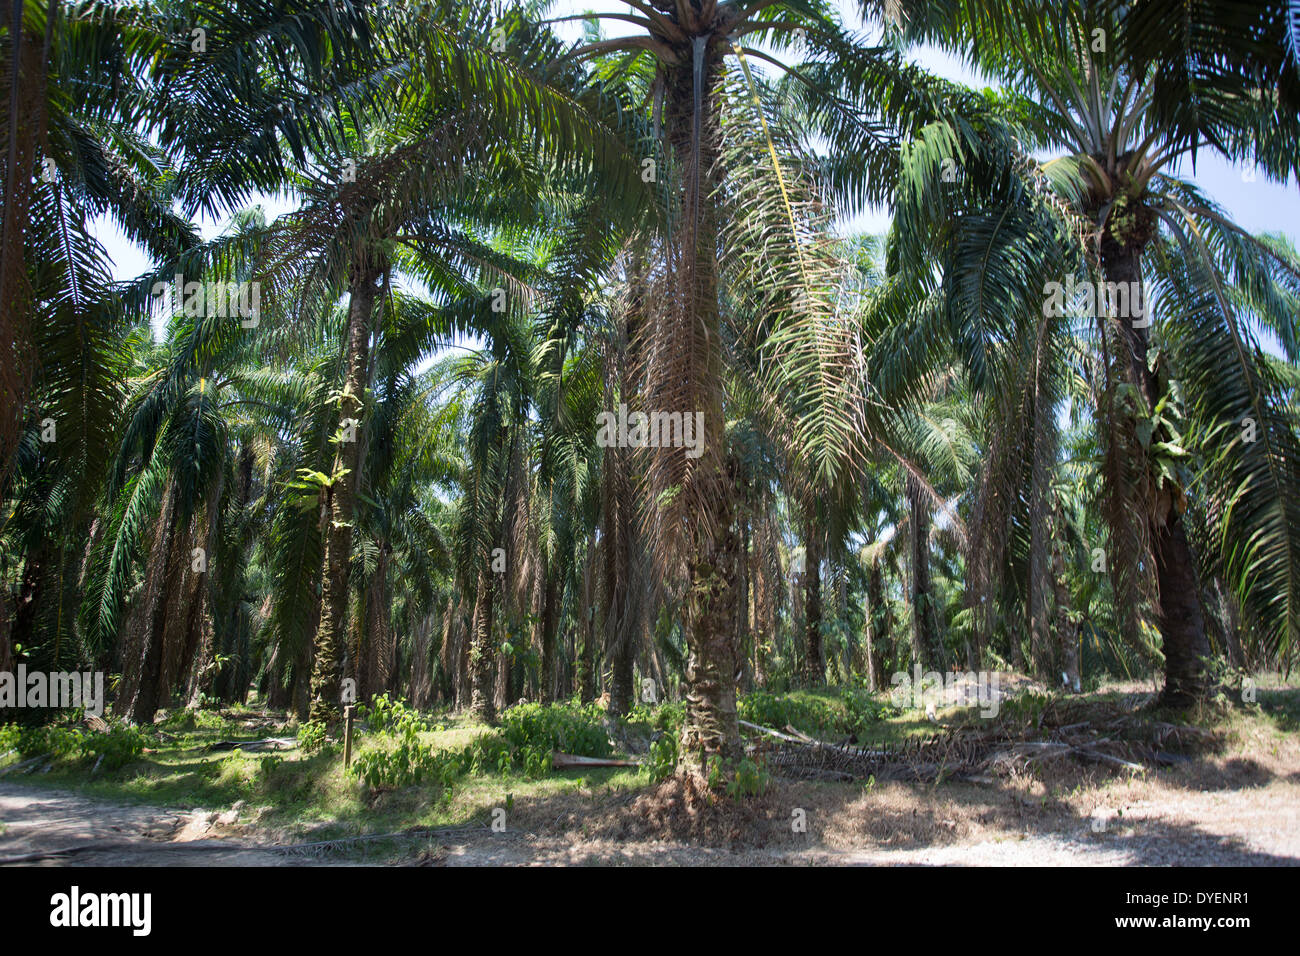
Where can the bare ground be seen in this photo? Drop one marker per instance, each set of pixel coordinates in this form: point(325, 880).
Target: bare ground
point(1017, 823)
point(1226, 796)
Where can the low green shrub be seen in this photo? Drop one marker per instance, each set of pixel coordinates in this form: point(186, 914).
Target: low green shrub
point(311, 737)
point(489, 753)
point(116, 747)
point(810, 715)
point(568, 727)
point(405, 765)
point(181, 721)
point(58, 742)
point(749, 779)
point(386, 714)
point(662, 760)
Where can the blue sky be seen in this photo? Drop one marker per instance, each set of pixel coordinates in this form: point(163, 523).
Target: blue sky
point(1258, 205)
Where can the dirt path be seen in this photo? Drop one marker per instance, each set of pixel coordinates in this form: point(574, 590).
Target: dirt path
point(1258, 826)
point(80, 831)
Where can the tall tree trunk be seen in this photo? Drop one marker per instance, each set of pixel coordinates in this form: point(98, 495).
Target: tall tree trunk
point(24, 119)
point(925, 623)
point(815, 665)
point(481, 657)
point(1067, 632)
point(338, 504)
point(138, 692)
point(765, 610)
point(503, 689)
point(551, 598)
point(586, 677)
point(30, 594)
point(875, 636)
point(230, 682)
point(1180, 616)
point(621, 581)
point(744, 630)
point(710, 729)
point(376, 660)
point(1040, 578)
point(196, 660)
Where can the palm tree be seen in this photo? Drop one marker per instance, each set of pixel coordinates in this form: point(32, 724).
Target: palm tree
point(681, 63)
point(1144, 228)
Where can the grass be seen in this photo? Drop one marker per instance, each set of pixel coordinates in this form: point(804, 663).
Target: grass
point(309, 793)
point(300, 796)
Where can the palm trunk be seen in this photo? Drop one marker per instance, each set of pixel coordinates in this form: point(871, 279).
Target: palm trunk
point(925, 625)
point(874, 639)
point(339, 509)
point(710, 729)
point(1040, 581)
point(1067, 634)
point(744, 632)
point(1180, 616)
point(480, 654)
point(138, 692)
point(24, 133)
point(30, 595)
point(551, 597)
point(230, 682)
point(586, 676)
point(381, 648)
point(621, 582)
point(812, 599)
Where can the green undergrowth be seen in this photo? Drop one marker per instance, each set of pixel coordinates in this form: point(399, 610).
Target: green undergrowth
point(418, 769)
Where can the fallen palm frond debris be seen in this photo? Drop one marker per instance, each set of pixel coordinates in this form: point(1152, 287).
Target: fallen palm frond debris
point(1126, 741)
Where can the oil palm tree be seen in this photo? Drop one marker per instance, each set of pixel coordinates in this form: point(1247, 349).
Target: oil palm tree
point(1212, 285)
point(693, 63)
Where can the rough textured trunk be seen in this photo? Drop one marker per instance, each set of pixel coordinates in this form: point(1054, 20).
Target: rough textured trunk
point(1042, 654)
point(1180, 616)
point(925, 623)
point(552, 595)
point(710, 729)
point(1181, 622)
point(1226, 619)
point(338, 504)
point(481, 656)
point(586, 676)
point(422, 651)
point(138, 692)
point(376, 648)
point(24, 120)
point(765, 610)
point(744, 630)
point(196, 659)
point(28, 604)
point(503, 689)
point(279, 687)
point(621, 581)
point(876, 632)
point(231, 630)
point(1067, 633)
point(449, 653)
point(815, 663)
